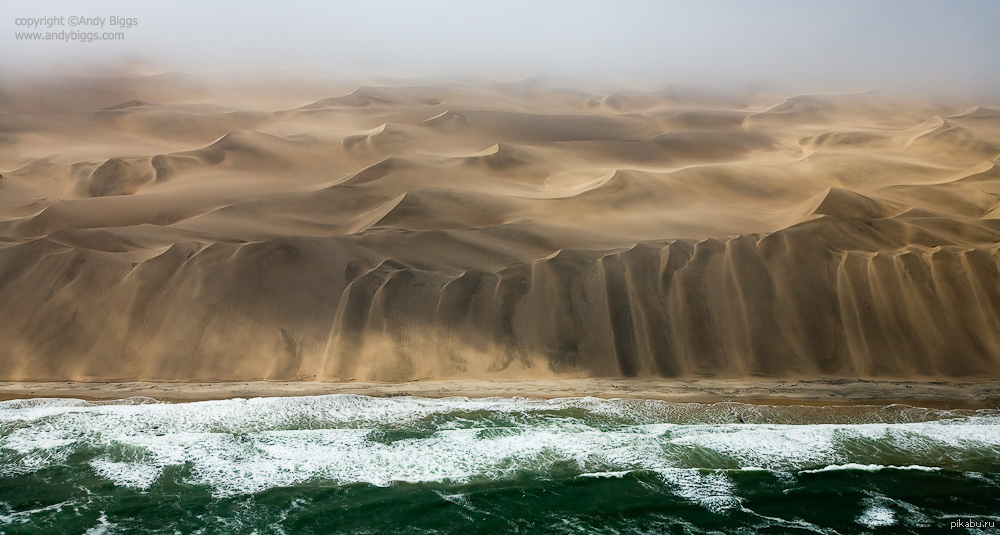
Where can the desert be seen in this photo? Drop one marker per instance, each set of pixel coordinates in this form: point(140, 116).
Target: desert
point(158, 228)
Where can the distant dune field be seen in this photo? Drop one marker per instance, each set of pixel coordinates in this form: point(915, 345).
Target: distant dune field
point(153, 229)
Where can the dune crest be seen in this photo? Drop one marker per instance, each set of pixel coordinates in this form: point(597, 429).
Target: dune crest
point(516, 231)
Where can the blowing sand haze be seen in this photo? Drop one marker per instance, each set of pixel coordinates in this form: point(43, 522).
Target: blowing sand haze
point(153, 231)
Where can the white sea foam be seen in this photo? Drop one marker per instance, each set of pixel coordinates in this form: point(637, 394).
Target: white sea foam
point(773, 447)
point(876, 515)
point(133, 475)
point(617, 475)
point(103, 527)
point(796, 524)
point(18, 517)
point(869, 468)
point(713, 491)
point(242, 446)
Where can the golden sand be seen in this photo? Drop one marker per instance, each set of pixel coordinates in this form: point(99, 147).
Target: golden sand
point(155, 229)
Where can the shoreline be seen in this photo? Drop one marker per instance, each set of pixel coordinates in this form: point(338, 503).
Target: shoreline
point(930, 394)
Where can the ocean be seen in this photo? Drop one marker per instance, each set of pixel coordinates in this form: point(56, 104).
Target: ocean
point(408, 465)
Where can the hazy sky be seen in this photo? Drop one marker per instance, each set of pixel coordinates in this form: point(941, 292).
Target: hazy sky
point(873, 43)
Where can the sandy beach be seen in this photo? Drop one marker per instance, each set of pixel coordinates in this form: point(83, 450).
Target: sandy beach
point(933, 394)
point(163, 229)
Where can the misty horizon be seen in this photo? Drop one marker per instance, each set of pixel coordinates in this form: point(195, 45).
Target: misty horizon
point(841, 46)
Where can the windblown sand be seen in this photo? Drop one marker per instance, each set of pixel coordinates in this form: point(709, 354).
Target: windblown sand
point(156, 229)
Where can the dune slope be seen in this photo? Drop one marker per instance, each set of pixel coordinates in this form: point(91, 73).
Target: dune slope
point(400, 233)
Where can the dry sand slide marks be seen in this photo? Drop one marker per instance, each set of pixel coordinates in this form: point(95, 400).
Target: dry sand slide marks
point(154, 232)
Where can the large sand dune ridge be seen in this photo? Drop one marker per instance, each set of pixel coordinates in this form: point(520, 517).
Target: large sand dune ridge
point(155, 230)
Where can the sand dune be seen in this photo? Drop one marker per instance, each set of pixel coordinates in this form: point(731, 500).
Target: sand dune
point(153, 230)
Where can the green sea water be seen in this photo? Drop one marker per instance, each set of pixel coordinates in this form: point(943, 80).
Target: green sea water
point(362, 465)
